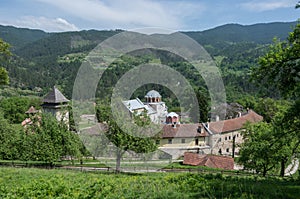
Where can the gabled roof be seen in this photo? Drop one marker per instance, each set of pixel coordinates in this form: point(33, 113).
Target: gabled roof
point(181, 131)
point(136, 104)
point(31, 110)
point(55, 97)
point(235, 123)
point(212, 161)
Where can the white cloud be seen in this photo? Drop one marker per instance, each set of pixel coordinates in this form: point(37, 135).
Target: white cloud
point(127, 14)
point(260, 6)
point(46, 24)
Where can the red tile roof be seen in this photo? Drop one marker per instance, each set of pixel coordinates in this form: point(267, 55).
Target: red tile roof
point(212, 161)
point(235, 123)
point(182, 131)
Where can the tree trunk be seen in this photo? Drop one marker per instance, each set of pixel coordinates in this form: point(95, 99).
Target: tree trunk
point(282, 167)
point(118, 160)
point(264, 172)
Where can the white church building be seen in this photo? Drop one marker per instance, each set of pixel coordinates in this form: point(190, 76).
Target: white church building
point(155, 108)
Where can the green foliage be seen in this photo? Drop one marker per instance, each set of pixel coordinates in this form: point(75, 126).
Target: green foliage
point(280, 66)
point(44, 140)
point(49, 140)
point(4, 54)
point(19, 37)
point(268, 108)
point(35, 183)
point(129, 140)
point(14, 108)
point(9, 137)
point(3, 76)
point(257, 152)
point(268, 145)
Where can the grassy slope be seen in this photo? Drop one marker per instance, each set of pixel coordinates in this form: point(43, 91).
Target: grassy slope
point(38, 183)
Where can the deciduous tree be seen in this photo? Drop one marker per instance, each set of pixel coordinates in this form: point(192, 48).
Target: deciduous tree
point(257, 152)
point(281, 65)
point(124, 141)
point(4, 54)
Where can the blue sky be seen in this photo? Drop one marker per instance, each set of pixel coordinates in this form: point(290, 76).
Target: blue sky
point(69, 15)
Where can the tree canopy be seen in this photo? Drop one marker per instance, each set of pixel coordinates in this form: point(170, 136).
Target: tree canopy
point(280, 66)
point(45, 139)
point(4, 54)
point(268, 144)
point(127, 140)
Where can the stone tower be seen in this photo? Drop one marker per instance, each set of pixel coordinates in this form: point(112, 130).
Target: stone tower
point(56, 104)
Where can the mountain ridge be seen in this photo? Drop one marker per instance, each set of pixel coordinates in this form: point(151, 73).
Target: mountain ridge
point(42, 59)
point(231, 32)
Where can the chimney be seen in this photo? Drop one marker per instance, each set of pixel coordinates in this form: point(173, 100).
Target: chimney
point(207, 125)
point(240, 114)
point(217, 118)
point(199, 129)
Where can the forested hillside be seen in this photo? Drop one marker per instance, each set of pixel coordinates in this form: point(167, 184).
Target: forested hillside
point(19, 37)
point(43, 59)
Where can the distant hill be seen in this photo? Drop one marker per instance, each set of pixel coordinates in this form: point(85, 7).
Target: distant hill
point(19, 37)
point(262, 33)
point(259, 33)
point(58, 44)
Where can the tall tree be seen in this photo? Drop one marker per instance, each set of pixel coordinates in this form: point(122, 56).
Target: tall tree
point(257, 152)
point(9, 136)
point(48, 140)
point(122, 140)
point(14, 108)
point(269, 144)
point(281, 65)
point(4, 54)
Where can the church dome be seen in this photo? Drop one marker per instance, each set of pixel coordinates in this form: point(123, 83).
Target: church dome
point(153, 94)
point(172, 114)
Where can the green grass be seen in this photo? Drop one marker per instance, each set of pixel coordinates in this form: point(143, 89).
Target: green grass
point(59, 183)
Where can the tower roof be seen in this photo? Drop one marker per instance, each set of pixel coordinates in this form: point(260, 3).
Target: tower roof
point(153, 93)
point(55, 96)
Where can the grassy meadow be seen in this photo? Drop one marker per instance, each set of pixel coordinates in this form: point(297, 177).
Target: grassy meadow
point(61, 183)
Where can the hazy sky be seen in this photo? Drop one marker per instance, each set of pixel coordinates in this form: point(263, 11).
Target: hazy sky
point(68, 15)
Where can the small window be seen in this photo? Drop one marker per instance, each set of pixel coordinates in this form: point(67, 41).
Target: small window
point(169, 141)
point(157, 142)
point(227, 150)
point(225, 138)
point(182, 140)
point(237, 135)
point(229, 137)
